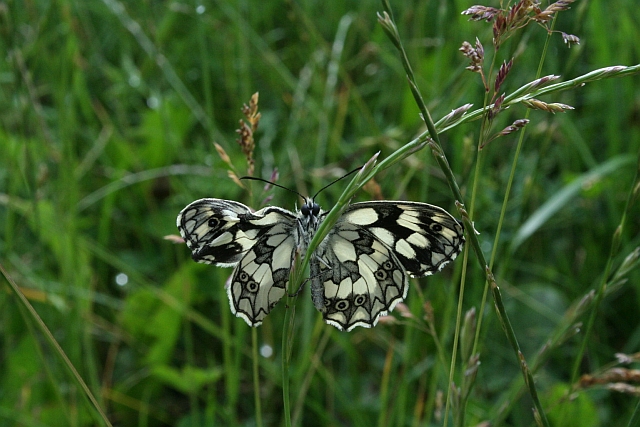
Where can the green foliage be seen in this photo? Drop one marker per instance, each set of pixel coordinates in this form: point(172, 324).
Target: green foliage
point(110, 112)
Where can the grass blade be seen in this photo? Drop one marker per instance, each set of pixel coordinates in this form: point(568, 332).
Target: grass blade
point(564, 197)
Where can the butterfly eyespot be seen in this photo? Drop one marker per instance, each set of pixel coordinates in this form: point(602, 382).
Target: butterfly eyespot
point(381, 274)
point(243, 277)
point(213, 222)
point(387, 265)
point(342, 305)
point(360, 300)
point(252, 286)
point(436, 227)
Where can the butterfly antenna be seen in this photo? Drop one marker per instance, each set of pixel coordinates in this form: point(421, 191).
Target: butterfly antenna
point(336, 180)
point(253, 178)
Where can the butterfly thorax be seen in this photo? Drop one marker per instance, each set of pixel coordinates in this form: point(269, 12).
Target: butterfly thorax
point(308, 222)
point(309, 219)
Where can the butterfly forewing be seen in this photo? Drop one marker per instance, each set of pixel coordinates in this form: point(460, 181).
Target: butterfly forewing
point(213, 230)
point(423, 237)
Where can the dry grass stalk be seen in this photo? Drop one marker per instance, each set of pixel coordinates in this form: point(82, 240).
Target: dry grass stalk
point(247, 130)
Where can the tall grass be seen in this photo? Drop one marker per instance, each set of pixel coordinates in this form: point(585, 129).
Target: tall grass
point(110, 113)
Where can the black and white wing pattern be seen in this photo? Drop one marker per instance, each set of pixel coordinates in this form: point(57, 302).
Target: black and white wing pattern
point(364, 264)
point(261, 246)
point(359, 272)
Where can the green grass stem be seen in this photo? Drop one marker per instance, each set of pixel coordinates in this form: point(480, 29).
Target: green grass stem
point(633, 195)
point(257, 398)
point(100, 416)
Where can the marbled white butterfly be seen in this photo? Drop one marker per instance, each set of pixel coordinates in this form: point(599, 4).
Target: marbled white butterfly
point(359, 272)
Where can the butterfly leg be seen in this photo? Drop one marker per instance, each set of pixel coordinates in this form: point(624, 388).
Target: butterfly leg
point(297, 292)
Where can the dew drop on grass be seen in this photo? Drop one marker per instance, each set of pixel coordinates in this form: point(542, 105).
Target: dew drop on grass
point(266, 350)
point(122, 279)
point(153, 102)
point(134, 80)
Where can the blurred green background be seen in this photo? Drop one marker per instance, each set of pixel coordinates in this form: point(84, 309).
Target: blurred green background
point(110, 112)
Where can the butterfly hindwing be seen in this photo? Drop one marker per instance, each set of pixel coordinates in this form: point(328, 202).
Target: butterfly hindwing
point(260, 279)
point(361, 277)
point(260, 245)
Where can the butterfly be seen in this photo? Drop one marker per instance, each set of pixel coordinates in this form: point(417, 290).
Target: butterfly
point(359, 272)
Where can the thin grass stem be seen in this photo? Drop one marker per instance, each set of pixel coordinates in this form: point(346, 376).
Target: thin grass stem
point(507, 193)
point(286, 398)
point(310, 372)
point(383, 417)
point(634, 193)
point(256, 376)
point(101, 416)
point(391, 31)
point(296, 276)
point(634, 421)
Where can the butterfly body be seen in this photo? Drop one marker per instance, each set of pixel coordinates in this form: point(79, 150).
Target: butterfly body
point(359, 271)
